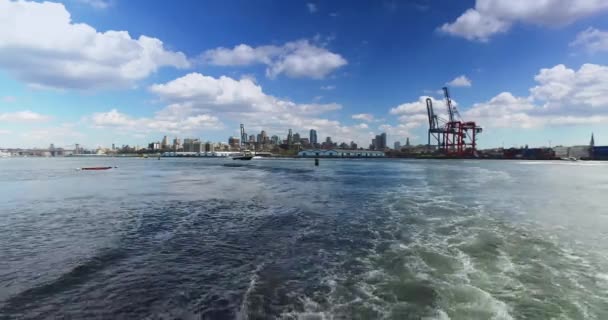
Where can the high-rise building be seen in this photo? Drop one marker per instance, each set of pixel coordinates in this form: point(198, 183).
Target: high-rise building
point(164, 143)
point(296, 138)
point(397, 145)
point(252, 138)
point(313, 136)
point(263, 137)
point(198, 146)
point(177, 144)
point(234, 142)
point(113, 147)
point(407, 141)
point(274, 140)
point(379, 142)
point(353, 145)
point(290, 137)
point(193, 145)
point(209, 147)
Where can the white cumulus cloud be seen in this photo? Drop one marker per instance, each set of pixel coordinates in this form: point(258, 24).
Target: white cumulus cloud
point(562, 96)
point(592, 40)
point(42, 46)
point(297, 59)
point(312, 8)
point(23, 116)
point(244, 101)
point(158, 124)
point(363, 116)
point(490, 17)
point(460, 81)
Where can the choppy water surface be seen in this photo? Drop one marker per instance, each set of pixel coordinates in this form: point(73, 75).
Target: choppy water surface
point(221, 239)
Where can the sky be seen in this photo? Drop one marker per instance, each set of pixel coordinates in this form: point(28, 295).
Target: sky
point(97, 72)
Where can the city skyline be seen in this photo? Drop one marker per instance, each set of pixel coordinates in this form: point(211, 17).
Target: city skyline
point(73, 72)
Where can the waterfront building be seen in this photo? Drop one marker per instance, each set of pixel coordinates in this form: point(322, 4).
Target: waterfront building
point(397, 145)
point(379, 142)
point(154, 146)
point(290, 137)
point(163, 145)
point(209, 147)
point(296, 138)
point(234, 142)
point(579, 152)
point(274, 140)
point(353, 145)
point(340, 153)
point(313, 136)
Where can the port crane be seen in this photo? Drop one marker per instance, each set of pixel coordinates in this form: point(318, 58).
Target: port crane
point(452, 137)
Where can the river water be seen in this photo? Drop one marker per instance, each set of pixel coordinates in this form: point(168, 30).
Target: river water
point(283, 239)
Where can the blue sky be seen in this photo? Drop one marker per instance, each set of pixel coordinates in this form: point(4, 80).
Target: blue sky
point(98, 72)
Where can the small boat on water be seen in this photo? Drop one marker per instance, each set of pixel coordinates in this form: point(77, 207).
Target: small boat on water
point(242, 157)
point(245, 155)
point(96, 168)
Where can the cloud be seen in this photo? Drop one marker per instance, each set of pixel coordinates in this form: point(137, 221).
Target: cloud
point(40, 45)
point(23, 116)
point(158, 124)
point(460, 81)
point(244, 101)
point(297, 59)
point(9, 99)
point(490, 17)
point(562, 96)
point(62, 135)
point(328, 88)
point(363, 116)
point(414, 114)
point(592, 40)
point(312, 8)
point(97, 4)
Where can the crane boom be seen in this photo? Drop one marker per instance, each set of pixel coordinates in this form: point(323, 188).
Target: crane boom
point(448, 103)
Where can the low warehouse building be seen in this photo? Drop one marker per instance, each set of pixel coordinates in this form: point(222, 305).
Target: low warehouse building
point(340, 153)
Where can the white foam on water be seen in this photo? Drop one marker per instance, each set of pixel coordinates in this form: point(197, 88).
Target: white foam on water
point(484, 301)
point(243, 312)
point(439, 315)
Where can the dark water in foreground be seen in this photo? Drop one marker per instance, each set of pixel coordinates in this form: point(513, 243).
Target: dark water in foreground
point(220, 239)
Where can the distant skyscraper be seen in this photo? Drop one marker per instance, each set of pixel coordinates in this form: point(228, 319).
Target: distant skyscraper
point(209, 147)
point(379, 142)
point(407, 141)
point(274, 140)
point(313, 136)
point(397, 145)
point(592, 142)
point(264, 137)
point(113, 147)
point(290, 137)
point(164, 143)
point(234, 142)
point(296, 138)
